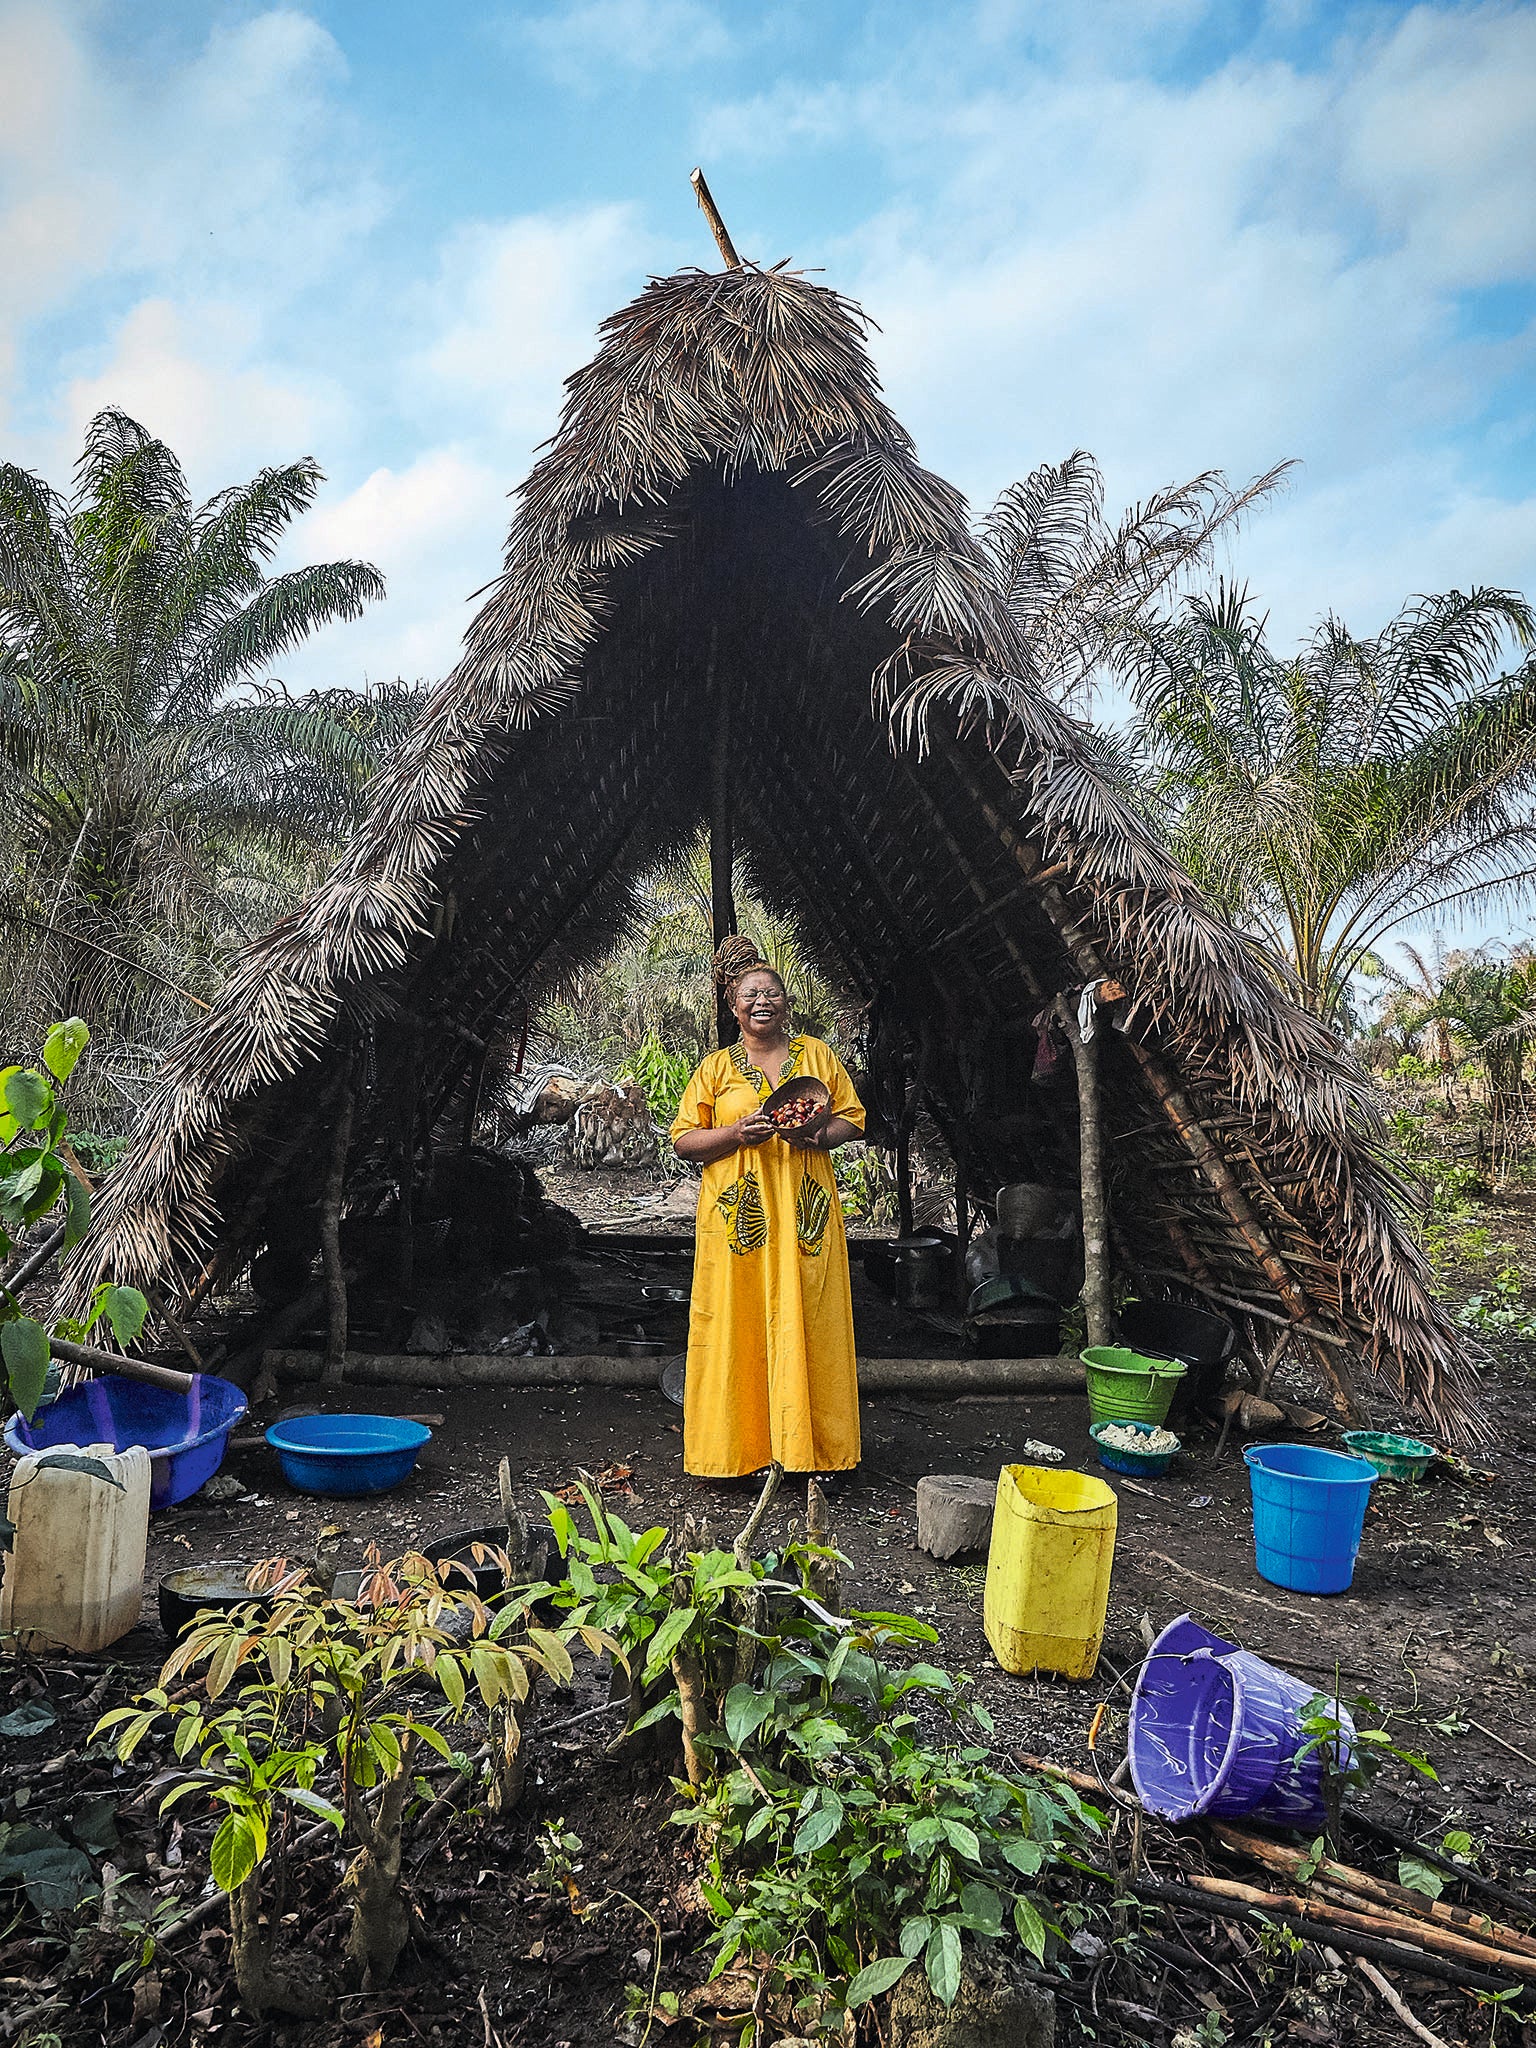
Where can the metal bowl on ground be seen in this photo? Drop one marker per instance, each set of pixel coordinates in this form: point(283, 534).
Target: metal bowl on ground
point(219, 1584)
point(639, 1347)
point(1011, 1317)
point(674, 1378)
point(458, 1549)
point(666, 1296)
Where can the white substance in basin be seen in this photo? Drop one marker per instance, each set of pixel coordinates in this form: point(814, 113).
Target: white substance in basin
point(1118, 1436)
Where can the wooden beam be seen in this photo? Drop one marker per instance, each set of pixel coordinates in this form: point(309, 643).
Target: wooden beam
point(711, 213)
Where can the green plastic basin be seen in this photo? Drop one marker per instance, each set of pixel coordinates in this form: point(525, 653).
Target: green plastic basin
point(1125, 1386)
point(1402, 1458)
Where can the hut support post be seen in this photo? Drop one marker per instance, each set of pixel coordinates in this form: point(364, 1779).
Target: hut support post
point(1201, 1146)
point(1098, 1296)
point(722, 829)
point(330, 1234)
point(405, 1212)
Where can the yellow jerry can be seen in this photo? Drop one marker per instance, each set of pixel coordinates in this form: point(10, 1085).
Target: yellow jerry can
point(1053, 1546)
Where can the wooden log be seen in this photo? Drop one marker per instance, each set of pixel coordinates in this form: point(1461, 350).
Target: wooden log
point(1342, 1877)
point(954, 1514)
point(1399, 1954)
point(93, 1360)
point(940, 1378)
point(1370, 1920)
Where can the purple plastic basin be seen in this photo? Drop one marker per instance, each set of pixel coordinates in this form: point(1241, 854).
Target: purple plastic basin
point(1216, 1730)
point(185, 1434)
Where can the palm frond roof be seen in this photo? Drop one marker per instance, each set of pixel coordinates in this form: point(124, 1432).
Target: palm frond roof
point(730, 525)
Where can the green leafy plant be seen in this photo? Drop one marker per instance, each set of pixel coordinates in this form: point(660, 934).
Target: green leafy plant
point(39, 1177)
point(322, 1706)
point(1352, 1755)
point(845, 1844)
point(1502, 1310)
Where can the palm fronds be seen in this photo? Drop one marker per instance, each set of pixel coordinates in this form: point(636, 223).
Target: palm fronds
point(728, 505)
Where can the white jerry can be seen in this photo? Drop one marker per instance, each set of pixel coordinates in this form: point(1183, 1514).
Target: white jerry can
point(74, 1574)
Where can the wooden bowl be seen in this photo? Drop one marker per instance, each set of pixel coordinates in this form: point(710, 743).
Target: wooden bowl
point(804, 1087)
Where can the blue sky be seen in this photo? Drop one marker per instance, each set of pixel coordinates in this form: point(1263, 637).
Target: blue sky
point(1181, 235)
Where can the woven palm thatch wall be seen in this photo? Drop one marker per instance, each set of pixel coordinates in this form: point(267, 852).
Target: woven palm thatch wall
point(729, 507)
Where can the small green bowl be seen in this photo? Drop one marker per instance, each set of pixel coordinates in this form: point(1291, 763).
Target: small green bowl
point(1402, 1458)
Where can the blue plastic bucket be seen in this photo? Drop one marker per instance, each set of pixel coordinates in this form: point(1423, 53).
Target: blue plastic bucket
point(347, 1453)
point(185, 1434)
point(1216, 1730)
point(1308, 1511)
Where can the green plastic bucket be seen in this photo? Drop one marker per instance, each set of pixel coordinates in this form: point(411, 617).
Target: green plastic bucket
point(1124, 1386)
point(1402, 1458)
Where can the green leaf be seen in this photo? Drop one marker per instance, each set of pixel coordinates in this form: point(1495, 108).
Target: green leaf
point(1413, 1872)
point(666, 1640)
point(1024, 1855)
point(962, 1840)
point(77, 1212)
point(941, 1961)
point(1457, 1843)
point(1030, 1927)
point(78, 1461)
point(915, 1933)
point(124, 1308)
point(28, 1098)
point(982, 1908)
point(746, 1709)
point(818, 1828)
point(234, 1855)
point(63, 1046)
point(55, 1876)
point(24, 1345)
point(875, 1978)
point(33, 1717)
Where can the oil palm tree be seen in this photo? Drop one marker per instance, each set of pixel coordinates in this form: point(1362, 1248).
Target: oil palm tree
point(1325, 799)
point(151, 773)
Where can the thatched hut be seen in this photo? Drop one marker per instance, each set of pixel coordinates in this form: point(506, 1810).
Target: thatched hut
point(724, 573)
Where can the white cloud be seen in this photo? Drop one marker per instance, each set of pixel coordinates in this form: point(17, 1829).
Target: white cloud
point(526, 297)
point(187, 375)
point(583, 39)
point(1222, 271)
point(1441, 138)
point(435, 529)
point(237, 171)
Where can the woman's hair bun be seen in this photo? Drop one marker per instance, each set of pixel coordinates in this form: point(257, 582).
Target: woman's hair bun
point(734, 957)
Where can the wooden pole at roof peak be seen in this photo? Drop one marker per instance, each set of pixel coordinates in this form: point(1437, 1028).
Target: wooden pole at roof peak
point(711, 213)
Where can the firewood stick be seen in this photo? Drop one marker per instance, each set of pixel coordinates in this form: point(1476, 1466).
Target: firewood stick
point(91, 1359)
point(1276, 1856)
point(1374, 1920)
point(1512, 1901)
point(1080, 1781)
point(1388, 1991)
point(1423, 1962)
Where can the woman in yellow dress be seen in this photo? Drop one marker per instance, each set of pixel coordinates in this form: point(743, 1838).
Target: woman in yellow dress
point(771, 1371)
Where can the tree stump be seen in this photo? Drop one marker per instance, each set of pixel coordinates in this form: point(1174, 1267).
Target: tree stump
point(954, 1513)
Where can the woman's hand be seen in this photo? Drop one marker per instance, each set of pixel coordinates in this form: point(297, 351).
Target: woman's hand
point(809, 1136)
point(754, 1129)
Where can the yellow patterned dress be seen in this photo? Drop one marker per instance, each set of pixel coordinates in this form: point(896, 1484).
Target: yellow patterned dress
point(771, 1371)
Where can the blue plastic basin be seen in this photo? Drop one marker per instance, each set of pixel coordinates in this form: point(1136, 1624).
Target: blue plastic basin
point(1308, 1512)
point(185, 1434)
point(347, 1453)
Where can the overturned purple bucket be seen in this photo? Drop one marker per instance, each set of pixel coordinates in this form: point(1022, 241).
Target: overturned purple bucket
point(1216, 1730)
